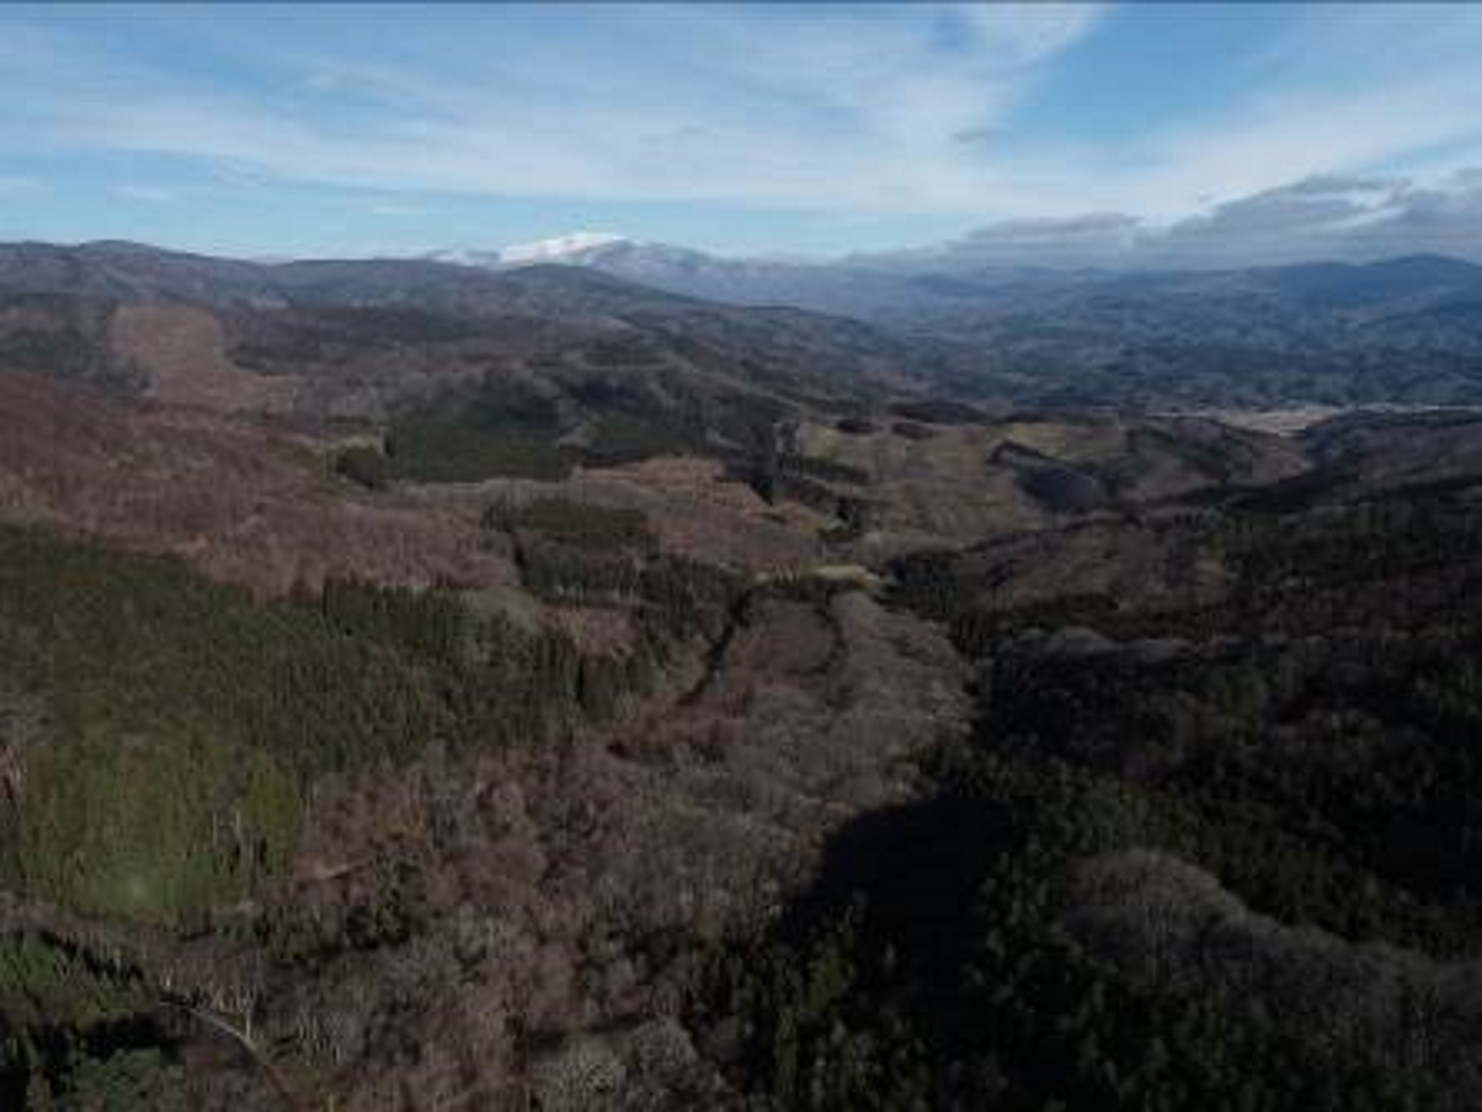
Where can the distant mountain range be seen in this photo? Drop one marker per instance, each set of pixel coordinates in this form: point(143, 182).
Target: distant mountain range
point(821, 287)
point(1406, 330)
point(550, 363)
point(904, 286)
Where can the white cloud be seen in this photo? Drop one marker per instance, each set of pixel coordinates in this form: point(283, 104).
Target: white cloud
point(818, 107)
point(1279, 138)
point(395, 208)
point(881, 110)
point(11, 186)
point(1028, 33)
point(152, 194)
point(1347, 219)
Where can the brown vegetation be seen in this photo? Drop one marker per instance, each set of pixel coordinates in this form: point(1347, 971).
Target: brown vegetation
point(240, 501)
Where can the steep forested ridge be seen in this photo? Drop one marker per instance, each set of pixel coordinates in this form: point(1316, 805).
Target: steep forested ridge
point(164, 738)
point(1218, 855)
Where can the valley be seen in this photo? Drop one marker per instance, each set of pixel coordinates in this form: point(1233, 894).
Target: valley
point(431, 686)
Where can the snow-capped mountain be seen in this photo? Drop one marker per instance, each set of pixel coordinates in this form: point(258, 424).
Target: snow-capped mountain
point(575, 248)
point(568, 248)
point(847, 287)
point(486, 259)
point(685, 271)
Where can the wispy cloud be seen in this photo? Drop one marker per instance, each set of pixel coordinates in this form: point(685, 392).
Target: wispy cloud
point(395, 208)
point(886, 111)
point(152, 194)
point(10, 186)
point(813, 108)
point(1280, 137)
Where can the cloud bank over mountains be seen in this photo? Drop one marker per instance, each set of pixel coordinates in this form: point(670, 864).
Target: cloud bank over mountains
point(1319, 219)
point(1333, 218)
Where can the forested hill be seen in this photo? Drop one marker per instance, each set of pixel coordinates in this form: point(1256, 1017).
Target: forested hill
point(1213, 845)
point(1399, 331)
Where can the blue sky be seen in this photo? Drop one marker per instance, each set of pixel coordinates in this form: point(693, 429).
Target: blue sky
point(280, 130)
